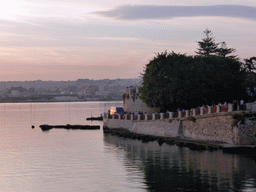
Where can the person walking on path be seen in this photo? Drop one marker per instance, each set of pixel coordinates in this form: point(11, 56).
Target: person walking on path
point(234, 105)
point(242, 104)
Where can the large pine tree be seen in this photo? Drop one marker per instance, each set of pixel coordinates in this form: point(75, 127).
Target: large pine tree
point(223, 50)
point(207, 46)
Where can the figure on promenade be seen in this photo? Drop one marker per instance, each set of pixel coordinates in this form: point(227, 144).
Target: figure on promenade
point(234, 105)
point(242, 104)
point(238, 105)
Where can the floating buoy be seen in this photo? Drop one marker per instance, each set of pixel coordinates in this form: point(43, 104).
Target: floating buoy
point(32, 126)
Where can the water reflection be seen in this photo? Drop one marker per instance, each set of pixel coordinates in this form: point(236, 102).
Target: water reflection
point(87, 160)
point(172, 168)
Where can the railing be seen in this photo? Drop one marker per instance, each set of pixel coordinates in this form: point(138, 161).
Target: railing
point(214, 109)
point(224, 108)
point(170, 115)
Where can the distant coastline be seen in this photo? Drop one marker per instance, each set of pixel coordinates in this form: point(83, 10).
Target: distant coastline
point(52, 101)
point(64, 91)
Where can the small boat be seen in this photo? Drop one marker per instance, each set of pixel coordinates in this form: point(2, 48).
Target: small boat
point(46, 127)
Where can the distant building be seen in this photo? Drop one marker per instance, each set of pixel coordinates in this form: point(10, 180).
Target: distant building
point(133, 103)
point(17, 92)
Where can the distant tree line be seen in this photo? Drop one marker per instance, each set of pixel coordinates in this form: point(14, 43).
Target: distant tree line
point(174, 80)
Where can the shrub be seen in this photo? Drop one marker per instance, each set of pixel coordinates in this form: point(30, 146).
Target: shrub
point(190, 118)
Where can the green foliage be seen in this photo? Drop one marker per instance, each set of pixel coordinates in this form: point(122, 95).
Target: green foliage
point(250, 67)
point(172, 81)
point(223, 50)
point(250, 64)
point(207, 46)
point(191, 118)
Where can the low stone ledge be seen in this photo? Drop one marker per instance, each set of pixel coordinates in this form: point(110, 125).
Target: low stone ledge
point(193, 144)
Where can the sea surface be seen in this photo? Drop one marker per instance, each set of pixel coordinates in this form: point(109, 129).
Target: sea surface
point(62, 160)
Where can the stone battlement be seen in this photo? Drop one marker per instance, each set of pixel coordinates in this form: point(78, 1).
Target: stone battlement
point(171, 115)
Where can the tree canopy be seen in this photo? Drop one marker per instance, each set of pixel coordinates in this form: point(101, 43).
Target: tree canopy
point(250, 67)
point(250, 64)
point(172, 80)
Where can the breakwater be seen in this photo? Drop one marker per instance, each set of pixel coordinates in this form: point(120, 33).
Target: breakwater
point(46, 127)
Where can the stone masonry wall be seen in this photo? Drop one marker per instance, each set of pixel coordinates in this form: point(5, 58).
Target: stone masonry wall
point(152, 127)
point(247, 132)
point(134, 104)
point(213, 127)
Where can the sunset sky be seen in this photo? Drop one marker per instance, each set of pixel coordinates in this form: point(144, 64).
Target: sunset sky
point(78, 39)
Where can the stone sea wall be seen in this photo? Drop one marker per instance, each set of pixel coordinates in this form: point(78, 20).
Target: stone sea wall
point(209, 127)
point(153, 127)
point(214, 127)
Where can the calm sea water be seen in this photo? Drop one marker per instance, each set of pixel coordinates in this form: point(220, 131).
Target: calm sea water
point(87, 160)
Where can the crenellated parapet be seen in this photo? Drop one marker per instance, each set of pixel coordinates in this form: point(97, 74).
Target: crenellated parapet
point(172, 115)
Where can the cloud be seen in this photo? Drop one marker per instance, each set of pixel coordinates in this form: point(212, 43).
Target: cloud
point(128, 12)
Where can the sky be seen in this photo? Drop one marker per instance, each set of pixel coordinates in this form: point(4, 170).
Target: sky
point(83, 39)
